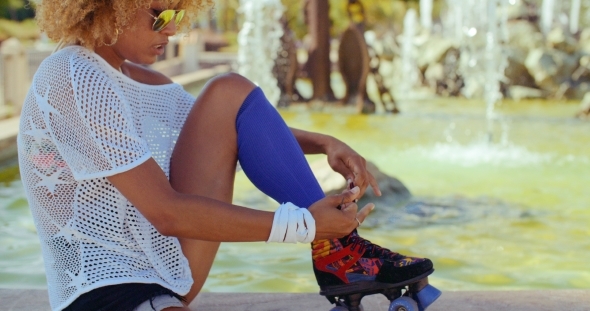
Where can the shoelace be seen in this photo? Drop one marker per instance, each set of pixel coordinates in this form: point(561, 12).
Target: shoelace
point(374, 249)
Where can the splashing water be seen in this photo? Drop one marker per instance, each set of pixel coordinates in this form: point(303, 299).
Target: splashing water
point(426, 14)
point(483, 59)
point(409, 73)
point(259, 43)
point(483, 153)
point(575, 15)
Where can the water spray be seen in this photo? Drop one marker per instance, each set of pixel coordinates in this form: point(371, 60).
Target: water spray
point(483, 60)
point(259, 41)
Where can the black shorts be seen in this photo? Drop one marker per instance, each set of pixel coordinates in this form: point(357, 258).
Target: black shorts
point(120, 297)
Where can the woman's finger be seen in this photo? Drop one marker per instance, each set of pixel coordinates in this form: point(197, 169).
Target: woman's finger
point(344, 170)
point(374, 184)
point(350, 211)
point(359, 174)
point(364, 212)
point(361, 182)
point(345, 197)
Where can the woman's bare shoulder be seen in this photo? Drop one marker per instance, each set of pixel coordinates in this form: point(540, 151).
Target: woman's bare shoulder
point(145, 74)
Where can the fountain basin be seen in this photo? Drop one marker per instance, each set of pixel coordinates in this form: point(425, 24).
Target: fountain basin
point(506, 215)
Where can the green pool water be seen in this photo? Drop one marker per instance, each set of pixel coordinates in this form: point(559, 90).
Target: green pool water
point(513, 213)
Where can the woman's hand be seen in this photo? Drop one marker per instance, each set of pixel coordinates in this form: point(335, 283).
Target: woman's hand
point(351, 165)
point(332, 222)
point(341, 158)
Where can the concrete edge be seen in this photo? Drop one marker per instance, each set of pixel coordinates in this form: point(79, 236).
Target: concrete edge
point(200, 75)
point(525, 300)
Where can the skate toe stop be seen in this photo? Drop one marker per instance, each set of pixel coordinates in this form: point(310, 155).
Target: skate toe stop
point(426, 296)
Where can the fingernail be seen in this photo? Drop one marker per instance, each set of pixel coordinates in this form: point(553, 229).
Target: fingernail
point(373, 207)
point(355, 189)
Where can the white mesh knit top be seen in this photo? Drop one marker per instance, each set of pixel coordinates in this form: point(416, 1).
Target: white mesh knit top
point(81, 122)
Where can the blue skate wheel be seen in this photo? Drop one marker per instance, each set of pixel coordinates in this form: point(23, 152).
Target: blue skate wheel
point(403, 304)
point(426, 296)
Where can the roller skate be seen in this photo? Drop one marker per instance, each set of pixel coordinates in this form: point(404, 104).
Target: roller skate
point(350, 268)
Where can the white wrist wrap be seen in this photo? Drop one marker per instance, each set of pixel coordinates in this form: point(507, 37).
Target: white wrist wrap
point(291, 225)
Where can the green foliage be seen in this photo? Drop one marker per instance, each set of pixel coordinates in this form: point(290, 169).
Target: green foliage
point(226, 15)
point(26, 30)
point(17, 10)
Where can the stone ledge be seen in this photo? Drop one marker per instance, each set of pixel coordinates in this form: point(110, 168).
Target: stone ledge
point(537, 300)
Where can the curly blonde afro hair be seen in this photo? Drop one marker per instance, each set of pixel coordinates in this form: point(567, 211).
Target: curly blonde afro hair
point(93, 23)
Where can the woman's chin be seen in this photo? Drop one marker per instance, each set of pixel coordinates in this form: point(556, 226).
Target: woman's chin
point(146, 61)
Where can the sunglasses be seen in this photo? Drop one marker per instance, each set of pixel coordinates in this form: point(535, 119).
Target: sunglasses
point(164, 18)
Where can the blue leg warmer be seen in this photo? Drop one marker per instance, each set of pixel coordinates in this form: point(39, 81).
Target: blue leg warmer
point(270, 155)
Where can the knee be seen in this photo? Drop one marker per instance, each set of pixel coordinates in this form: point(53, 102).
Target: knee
point(230, 84)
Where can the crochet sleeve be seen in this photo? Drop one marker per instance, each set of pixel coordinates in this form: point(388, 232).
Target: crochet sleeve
point(89, 121)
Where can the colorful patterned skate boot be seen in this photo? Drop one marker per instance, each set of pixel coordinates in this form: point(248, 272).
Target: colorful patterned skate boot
point(349, 268)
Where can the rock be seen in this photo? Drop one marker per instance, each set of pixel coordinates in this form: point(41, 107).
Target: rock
point(575, 90)
point(394, 193)
point(551, 68)
point(581, 77)
point(584, 111)
point(433, 51)
point(562, 40)
point(584, 41)
point(434, 73)
point(524, 35)
point(517, 10)
point(444, 77)
point(518, 92)
point(516, 72)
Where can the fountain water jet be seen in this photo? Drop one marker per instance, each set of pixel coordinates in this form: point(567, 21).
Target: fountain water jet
point(426, 14)
point(575, 15)
point(482, 52)
point(547, 12)
point(409, 71)
point(453, 20)
point(495, 64)
point(259, 43)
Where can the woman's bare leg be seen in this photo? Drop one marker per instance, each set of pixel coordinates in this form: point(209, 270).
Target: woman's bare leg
point(204, 160)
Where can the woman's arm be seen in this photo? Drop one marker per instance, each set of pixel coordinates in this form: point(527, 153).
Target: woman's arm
point(342, 158)
point(312, 143)
point(196, 217)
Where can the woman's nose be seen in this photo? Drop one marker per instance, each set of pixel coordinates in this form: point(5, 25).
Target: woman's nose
point(170, 29)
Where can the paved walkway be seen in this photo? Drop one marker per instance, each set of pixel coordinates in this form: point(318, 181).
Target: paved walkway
point(545, 300)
